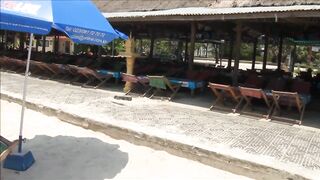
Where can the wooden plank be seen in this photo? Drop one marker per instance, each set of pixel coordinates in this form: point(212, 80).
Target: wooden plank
point(280, 52)
point(265, 52)
point(237, 54)
point(254, 54)
point(192, 45)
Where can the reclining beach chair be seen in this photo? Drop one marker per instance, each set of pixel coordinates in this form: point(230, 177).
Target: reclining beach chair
point(222, 92)
point(6, 147)
point(43, 67)
point(5, 63)
point(136, 82)
point(299, 98)
point(16, 65)
point(248, 94)
point(162, 83)
point(59, 70)
point(92, 76)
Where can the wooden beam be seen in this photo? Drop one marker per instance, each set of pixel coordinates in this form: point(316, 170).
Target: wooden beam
point(151, 46)
point(5, 39)
point(254, 54)
point(216, 53)
point(186, 54)
point(237, 54)
point(265, 52)
point(37, 43)
point(230, 52)
point(192, 45)
point(22, 40)
point(280, 52)
point(293, 58)
point(43, 44)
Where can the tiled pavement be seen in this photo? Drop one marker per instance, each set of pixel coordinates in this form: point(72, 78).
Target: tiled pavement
point(293, 148)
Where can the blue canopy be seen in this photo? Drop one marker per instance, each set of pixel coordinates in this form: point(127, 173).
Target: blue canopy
point(80, 20)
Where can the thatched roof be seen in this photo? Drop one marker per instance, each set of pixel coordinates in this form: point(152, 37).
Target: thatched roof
point(154, 5)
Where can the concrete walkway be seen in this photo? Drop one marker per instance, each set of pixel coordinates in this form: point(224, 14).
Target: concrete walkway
point(256, 146)
point(67, 152)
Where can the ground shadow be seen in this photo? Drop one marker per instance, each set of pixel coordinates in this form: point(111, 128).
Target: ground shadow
point(66, 157)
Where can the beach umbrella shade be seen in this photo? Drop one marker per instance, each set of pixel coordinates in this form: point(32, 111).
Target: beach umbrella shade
point(80, 20)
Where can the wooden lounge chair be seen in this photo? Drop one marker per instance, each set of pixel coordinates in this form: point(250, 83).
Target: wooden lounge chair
point(137, 81)
point(252, 93)
point(299, 98)
point(92, 76)
point(43, 67)
point(16, 65)
point(222, 92)
point(6, 147)
point(162, 83)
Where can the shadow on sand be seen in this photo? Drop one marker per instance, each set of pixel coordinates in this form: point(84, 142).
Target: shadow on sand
point(66, 157)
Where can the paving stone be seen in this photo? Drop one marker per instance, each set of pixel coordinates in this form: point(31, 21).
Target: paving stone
point(281, 142)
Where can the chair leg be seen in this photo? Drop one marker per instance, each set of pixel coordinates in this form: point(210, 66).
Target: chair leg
point(174, 93)
point(238, 105)
point(215, 102)
point(147, 91)
point(154, 93)
point(102, 82)
point(302, 114)
point(88, 82)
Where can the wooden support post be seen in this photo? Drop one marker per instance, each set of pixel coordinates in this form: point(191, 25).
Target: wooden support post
point(186, 51)
point(151, 46)
point(216, 53)
point(192, 45)
point(265, 52)
point(237, 54)
point(58, 44)
point(130, 57)
point(293, 58)
point(280, 52)
point(140, 46)
point(54, 44)
point(2, 36)
point(22, 40)
point(37, 43)
point(43, 44)
point(5, 40)
point(230, 53)
point(254, 54)
point(99, 53)
point(179, 50)
point(207, 44)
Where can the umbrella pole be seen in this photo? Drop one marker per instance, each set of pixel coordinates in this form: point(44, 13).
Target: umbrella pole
point(25, 93)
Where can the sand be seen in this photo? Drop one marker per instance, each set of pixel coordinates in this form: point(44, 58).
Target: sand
point(66, 152)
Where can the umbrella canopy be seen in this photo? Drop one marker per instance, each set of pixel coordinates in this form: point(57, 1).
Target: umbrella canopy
point(80, 20)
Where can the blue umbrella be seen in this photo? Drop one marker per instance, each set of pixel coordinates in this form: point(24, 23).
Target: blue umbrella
point(80, 20)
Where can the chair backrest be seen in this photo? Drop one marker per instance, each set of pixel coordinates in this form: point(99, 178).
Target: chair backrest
point(254, 81)
point(129, 78)
point(286, 98)
point(157, 82)
point(230, 90)
point(301, 87)
point(277, 84)
point(251, 92)
point(219, 86)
